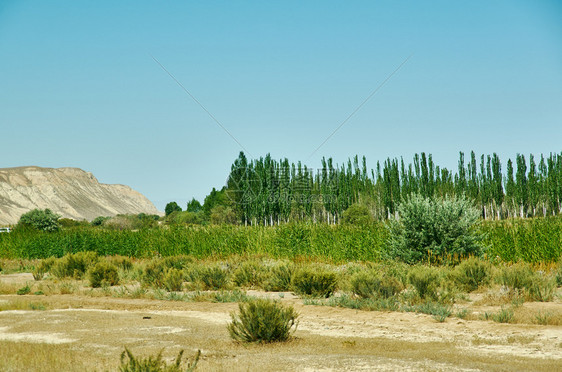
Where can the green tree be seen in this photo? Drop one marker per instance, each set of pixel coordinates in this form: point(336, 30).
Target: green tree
point(172, 207)
point(193, 206)
point(44, 220)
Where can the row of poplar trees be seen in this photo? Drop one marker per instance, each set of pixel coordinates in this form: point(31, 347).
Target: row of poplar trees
point(267, 191)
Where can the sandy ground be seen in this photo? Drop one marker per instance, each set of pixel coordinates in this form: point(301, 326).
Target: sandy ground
point(93, 331)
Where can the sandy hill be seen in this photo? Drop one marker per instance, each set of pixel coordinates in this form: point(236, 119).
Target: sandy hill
point(70, 192)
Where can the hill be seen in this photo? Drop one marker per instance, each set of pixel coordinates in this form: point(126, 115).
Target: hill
point(70, 192)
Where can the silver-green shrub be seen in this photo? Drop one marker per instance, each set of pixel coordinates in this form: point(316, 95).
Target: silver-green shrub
point(434, 229)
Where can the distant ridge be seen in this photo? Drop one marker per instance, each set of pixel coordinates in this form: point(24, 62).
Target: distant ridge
point(70, 192)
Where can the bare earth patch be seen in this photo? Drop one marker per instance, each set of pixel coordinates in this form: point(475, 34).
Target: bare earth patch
point(79, 333)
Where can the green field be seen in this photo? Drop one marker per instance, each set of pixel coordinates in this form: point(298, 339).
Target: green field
point(531, 240)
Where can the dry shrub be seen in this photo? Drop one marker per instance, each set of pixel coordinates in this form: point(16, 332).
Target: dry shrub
point(263, 320)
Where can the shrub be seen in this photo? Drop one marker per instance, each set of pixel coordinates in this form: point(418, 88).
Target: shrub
point(315, 282)
point(505, 315)
point(262, 320)
point(517, 276)
point(43, 268)
point(249, 273)
point(280, 277)
point(558, 275)
point(427, 229)
point(44, 220)
point(98, 221)
point(153, 274)
point(102, 274)
point(177, 262)
point(357, 214)
point(24, 290)
point(541, 288)
point(369, 284)
point(472, 273)
point(121, 262)
point(129, 363)
point(426, 281)
point(214, 277)
point(173, 280)
point(74, 265)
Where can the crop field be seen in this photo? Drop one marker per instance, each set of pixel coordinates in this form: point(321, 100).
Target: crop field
point(80, 311)
point(531, 240)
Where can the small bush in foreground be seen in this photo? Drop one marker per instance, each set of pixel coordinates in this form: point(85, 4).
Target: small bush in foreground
point(129, 363)
point(262, 320)
point(103, 274)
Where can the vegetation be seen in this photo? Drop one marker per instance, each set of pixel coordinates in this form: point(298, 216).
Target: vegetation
point(263, 320)
point(103, 274)
point(130, 363)
point(43, 220)
point(427, 229)
point(314, 281)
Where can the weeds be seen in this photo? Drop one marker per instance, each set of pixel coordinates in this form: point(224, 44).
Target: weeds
point(130, 363)
point(262, 320)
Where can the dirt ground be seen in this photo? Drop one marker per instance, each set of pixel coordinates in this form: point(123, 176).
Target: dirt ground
point(77, 332)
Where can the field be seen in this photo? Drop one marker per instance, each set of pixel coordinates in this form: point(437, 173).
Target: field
point(62, 323)
point(531, 240)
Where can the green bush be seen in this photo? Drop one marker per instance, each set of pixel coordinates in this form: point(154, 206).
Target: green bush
point(369, 284)
point(44, 220)
point(280, 277)
point(24, 290)
point(249, 273)
point(214, 277)
point(434, 229)
point(426, 281)
point(262, 320)
point(130, 363)
point(153, 274)
point(357, 214)
point(102, 274)
point(74, 265)
point(472, 273)
point(315, 282)
point(173, 279)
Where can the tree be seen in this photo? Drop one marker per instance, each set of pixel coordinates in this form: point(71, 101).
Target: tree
point(193, 206)
point(44, 220)
point(172, 207)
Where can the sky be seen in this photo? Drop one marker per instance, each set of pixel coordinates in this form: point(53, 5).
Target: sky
point(84, 84)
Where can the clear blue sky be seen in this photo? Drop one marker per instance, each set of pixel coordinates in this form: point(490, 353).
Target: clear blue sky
point(78, 86)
